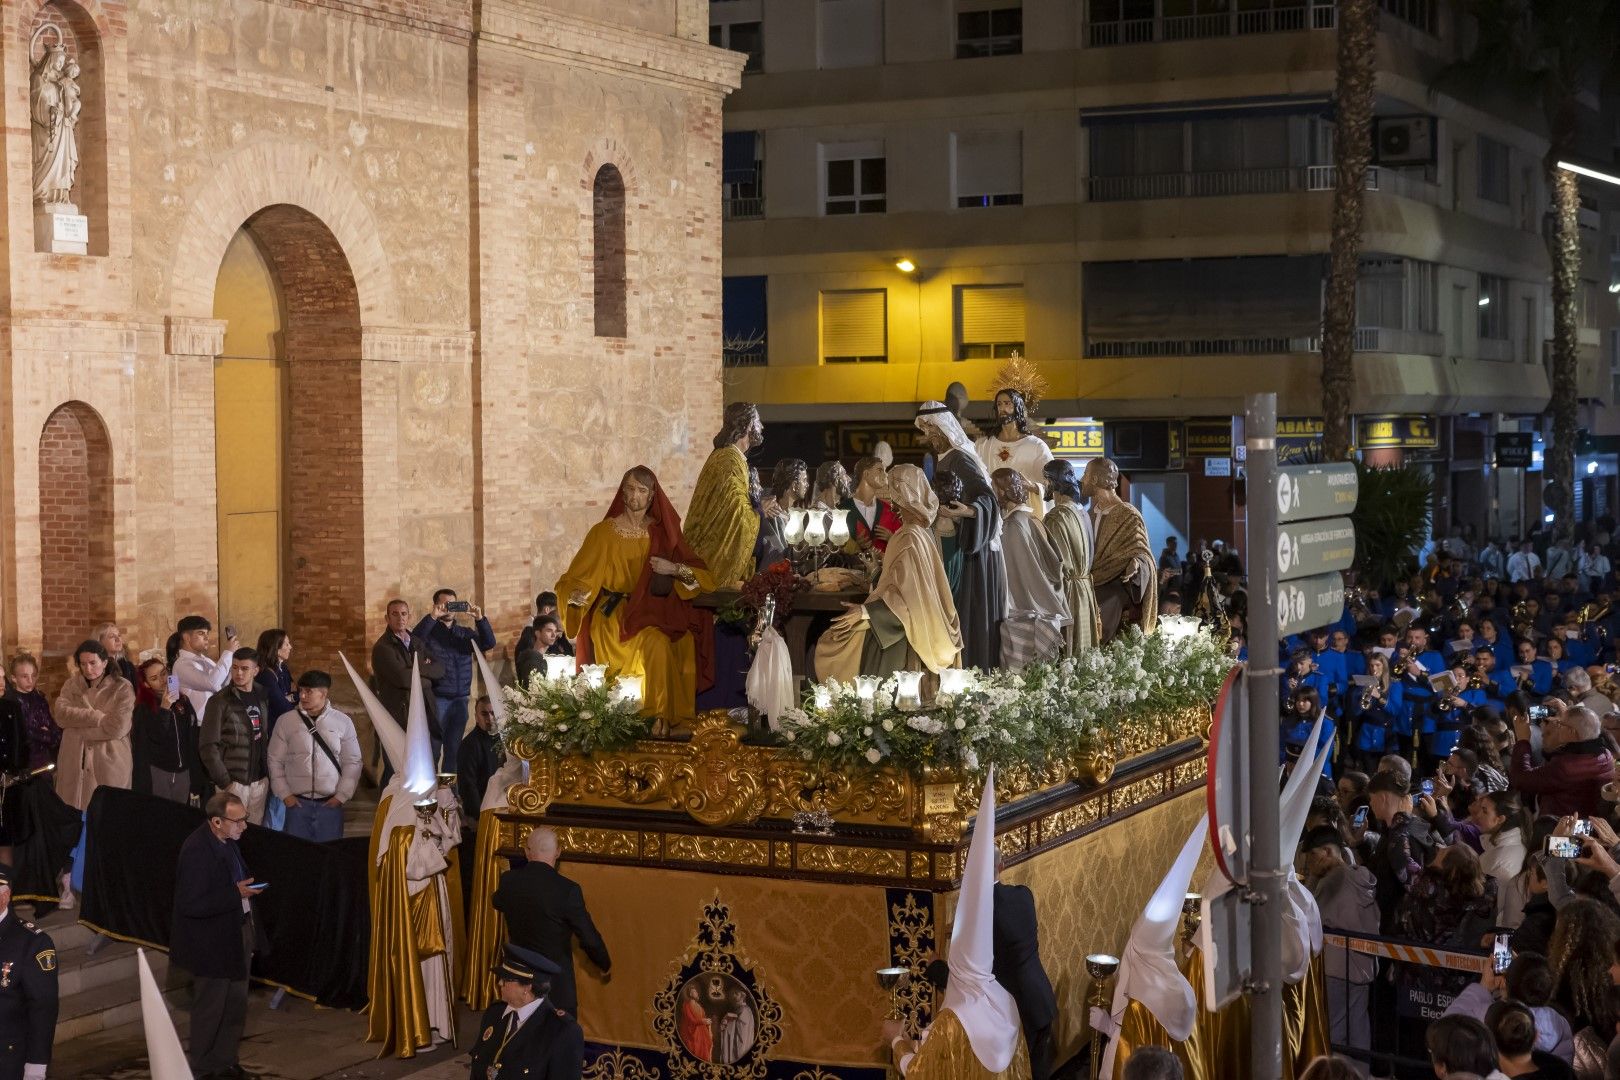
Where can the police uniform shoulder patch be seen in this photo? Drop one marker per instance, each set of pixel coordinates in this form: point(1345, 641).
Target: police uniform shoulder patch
point(488, 1033)
point(30, 926)
point(560, 1012)
point(46, 959)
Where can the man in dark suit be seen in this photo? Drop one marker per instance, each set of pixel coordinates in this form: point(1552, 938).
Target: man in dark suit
point(480, 756)
point(524, 1034)
point(391, 660)
point(1017, 968)
point(546, 912)
point(212, 935)
point(28, 1000)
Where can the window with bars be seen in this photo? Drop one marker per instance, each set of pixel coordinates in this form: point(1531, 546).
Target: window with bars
point(989, 32)
point(743, 37)
point(854, 326)
point(989, 168)
point(989, 322)
point(1493, 312)
point(1494, 165)
point(856, 179)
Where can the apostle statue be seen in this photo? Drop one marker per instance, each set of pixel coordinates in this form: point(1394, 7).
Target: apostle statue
point(54, 105)
point(1013, 446)
point(629, 592)
point(1068, 527)
point(789, 490)
point(1037, 610)
point(981, 587)
point(1123, 572)
point(908, 622)
point(721, 523)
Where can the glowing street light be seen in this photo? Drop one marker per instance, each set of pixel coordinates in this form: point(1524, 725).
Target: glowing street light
point(905, 266)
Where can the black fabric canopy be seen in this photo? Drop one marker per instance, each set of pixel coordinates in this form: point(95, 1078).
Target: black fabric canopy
point(315, 914)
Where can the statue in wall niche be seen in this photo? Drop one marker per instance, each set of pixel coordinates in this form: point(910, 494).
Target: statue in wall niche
point(54, 106)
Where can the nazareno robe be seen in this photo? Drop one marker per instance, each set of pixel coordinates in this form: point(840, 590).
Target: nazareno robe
point(1073, 545)
point(981, 590)
point(1037, 610)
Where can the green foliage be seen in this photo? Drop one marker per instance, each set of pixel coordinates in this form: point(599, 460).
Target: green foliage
point(1393, 510)
point(572, 716)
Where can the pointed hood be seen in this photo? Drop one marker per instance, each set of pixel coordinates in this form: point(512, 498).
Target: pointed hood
point(420, 775)
point(389, 733)
point(1147, 970)
point(987, 1012)
point(1302, 921)
point(497, 700)
point(163, 1053)
point(514, 770)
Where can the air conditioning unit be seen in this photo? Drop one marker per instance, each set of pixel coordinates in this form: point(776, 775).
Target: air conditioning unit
point(1403, 140)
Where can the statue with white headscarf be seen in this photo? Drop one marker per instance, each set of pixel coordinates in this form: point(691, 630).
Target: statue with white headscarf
point(981, 587)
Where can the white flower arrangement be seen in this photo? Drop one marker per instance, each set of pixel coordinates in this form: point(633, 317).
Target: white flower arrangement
point(571, 716)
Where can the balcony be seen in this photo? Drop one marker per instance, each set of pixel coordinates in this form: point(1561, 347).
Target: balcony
point(1369, 339)
point(1101, 33)
point(1269, 181)
point(743, 208)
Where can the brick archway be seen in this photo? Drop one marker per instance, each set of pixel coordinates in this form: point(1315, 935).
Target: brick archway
point(75, 529)
point(280, 173)
point(323, 504)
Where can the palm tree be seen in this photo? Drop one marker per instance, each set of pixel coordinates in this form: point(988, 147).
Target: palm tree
point(1352, 148)
point(1547, 52)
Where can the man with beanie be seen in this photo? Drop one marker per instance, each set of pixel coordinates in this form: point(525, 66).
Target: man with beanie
point(314, 761)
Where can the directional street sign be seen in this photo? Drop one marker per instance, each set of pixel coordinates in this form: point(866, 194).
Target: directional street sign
point(1315, 547)
point(1315, 491)
point(1307, 603)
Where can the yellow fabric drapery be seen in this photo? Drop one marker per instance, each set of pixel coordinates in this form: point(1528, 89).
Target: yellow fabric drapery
point(1140, 1028)
point(1305, 1024)
point(397, 1012)
point(720, 524)
point(948, 1055)
point(427, 923)
point(609, 562)
point(486, 928)
point(1224, 1035)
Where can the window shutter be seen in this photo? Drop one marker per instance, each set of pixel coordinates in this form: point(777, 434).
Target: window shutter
point(992, 314)
point(851, 33)
point(854, 322)
point(989, 163)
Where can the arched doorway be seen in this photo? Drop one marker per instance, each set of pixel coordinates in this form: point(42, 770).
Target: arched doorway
point(287, 397)
point(75, 530)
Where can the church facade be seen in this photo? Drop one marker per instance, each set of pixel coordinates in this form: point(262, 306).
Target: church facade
point(351, 299)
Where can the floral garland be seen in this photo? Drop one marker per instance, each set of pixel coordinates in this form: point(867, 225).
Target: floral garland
point(1007, 718)
point(1001, 718)
point(572, 716)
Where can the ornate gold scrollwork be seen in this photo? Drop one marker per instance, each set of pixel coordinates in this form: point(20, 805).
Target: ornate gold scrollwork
point(536, 795)
point(720, 781)
point(1092, 762)
point(793, 786)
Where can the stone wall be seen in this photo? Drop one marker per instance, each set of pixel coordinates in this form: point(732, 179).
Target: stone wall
point(421, 178)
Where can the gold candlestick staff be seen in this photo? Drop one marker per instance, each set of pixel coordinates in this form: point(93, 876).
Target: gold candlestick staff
point(1101, 967)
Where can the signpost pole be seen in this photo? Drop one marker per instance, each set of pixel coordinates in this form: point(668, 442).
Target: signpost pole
point(1265, 875)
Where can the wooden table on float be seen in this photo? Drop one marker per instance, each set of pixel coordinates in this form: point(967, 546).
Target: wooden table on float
point(809, 610)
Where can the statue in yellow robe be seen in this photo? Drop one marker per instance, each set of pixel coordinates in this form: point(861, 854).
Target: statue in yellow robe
point(721, 523)
point(624, 618)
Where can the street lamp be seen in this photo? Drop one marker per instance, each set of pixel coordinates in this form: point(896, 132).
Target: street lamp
point(1588, 171)
point(904, 265)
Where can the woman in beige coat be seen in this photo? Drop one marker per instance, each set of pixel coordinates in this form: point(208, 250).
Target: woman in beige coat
point(95, 710)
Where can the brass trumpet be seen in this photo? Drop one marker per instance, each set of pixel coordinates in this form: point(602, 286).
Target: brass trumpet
point(1369, 695)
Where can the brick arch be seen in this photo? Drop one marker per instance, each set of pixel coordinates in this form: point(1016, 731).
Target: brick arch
point(28, 12)
point(271, 174)
point(75, 528)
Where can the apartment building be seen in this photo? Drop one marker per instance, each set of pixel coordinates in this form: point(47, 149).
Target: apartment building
point(1136, 195)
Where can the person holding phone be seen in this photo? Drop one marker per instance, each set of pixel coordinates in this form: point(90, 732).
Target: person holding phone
point(213, 934)
point(452, 643)
point(164, 741)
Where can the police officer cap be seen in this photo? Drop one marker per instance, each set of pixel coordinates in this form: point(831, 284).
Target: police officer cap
point(5, 875)
point(524, 965)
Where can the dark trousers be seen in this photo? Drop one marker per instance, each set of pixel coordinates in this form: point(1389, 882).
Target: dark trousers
point(218, 1015)
point(1039, 1043)
point(452, 723)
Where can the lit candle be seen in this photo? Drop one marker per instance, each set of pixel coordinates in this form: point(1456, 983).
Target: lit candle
point(823, 697)
point(561, 668)
point(1178, 627)
point(866, 686)
point(908, 689)
point(815, 529)
point(838, 534)
point(629, 688)
point(595, 675)
point(954, 681)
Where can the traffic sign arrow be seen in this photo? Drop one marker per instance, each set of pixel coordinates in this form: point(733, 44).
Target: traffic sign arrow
point(1315, 491)
point(1315, 547)
point(1307, 603)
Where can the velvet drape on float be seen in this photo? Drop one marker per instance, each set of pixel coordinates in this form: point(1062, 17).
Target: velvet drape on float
point(314, 919)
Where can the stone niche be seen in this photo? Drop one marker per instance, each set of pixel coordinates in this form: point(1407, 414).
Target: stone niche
point(68, 130)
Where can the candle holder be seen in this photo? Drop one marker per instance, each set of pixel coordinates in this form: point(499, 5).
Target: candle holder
point(890, 980)
point(908, 690)
point(838, 531)
point(561, 668)
point(628, 688)
point(1191, 916)
point(1101, 967)
point(954, 681)
point(594, 675)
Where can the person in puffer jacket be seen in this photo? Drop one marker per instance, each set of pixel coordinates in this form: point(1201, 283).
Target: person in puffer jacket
point(1346, 895)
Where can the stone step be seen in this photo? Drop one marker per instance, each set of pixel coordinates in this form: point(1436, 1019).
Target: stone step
point(108, 1005)
point(80, 971)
